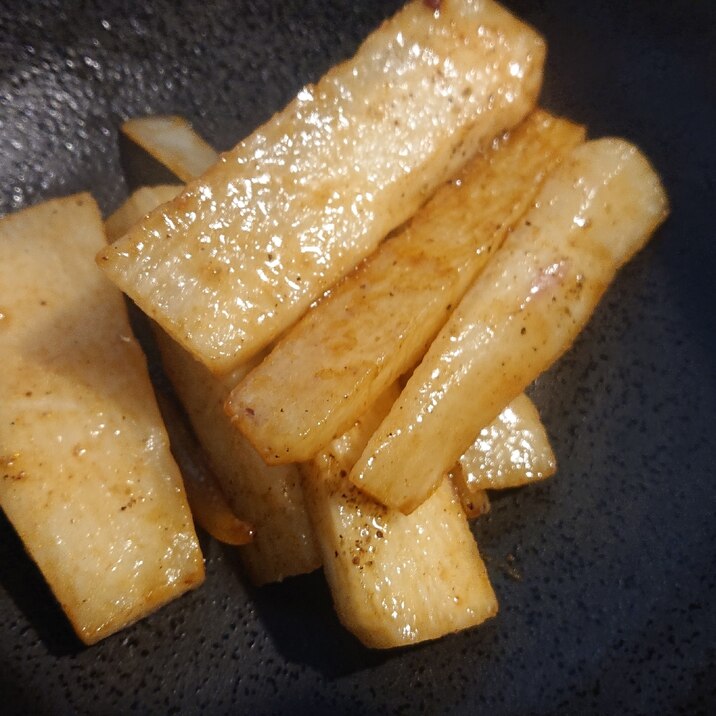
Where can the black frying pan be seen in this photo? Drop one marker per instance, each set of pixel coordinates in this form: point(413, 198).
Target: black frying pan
point(606, 574)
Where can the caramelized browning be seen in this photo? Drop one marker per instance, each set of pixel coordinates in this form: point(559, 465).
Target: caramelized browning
point(245, 249)
point(378, 323)
point(597, 209)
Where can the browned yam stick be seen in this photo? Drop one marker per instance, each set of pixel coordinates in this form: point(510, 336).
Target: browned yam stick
point(208, 503)
point(165, 148)
point(269, 498)
point(512, 450)
point(379, 321)
point(395, 579)
point(598, 209)
point(139, 204)
point(244, 250)
point(86, 476)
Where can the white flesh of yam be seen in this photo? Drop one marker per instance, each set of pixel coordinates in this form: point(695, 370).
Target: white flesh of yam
point(173, 143)
point(513, 450)
point(395, 579)
point(378, 323)
point(244, 250)
point(597, 210)
point(86, 476)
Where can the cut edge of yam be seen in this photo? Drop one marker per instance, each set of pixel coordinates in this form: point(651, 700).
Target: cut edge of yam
point(338, 369)
point(169, 142)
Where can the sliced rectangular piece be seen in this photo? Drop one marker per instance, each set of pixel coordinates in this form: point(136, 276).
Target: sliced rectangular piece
point(269, 498)
point(163, 148)
point(395, 579)
point(597, 209)
point(86, 476)
point(139, 203)
point(207, 501)
point(379, 321)
point(244, 250)
point(512, 450)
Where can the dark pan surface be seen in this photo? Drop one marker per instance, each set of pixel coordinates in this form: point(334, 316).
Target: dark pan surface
point(608, 603)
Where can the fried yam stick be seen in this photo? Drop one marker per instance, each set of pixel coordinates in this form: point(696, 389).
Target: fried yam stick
point(238, 257)
point(168, 143)
point(86, 476)
point(208, 503)
point(395, 579)
point(595, 212)
point(379, 321)
point(269, 499)
point(513, 450)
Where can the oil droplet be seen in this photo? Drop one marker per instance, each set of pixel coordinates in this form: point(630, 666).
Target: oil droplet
point(582, 222)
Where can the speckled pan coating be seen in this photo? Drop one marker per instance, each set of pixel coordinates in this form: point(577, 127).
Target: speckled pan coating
point(606, 573)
